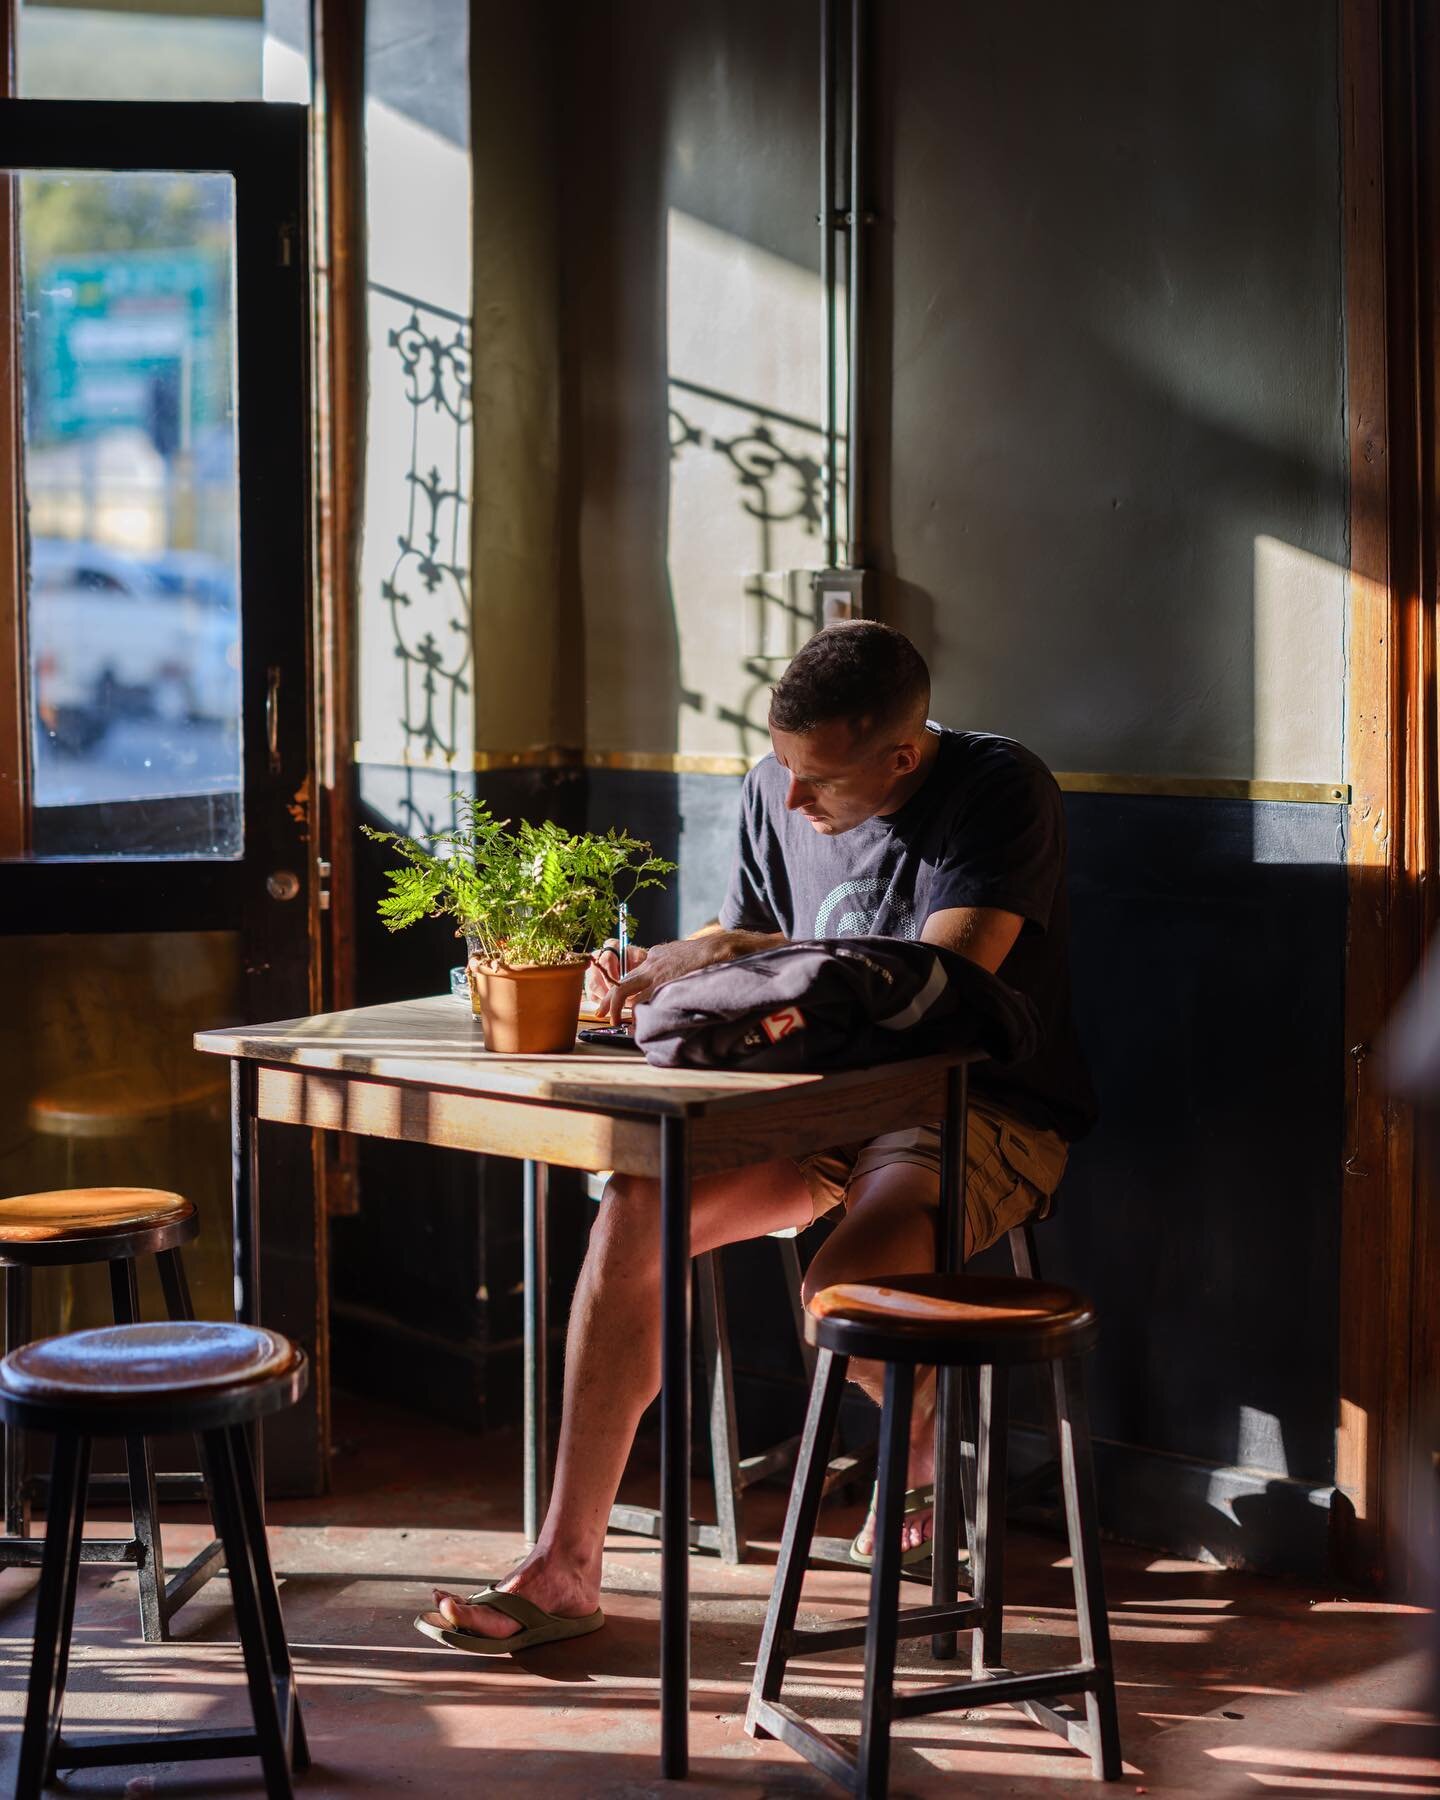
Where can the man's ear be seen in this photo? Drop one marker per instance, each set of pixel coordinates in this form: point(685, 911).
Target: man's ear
point(906, 758)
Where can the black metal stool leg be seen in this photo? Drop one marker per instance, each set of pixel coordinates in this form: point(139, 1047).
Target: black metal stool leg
point(174, 1285)
point(277, 1644)
point(239, 1560)
point(988, 1568)
point(800, 1515)
point(54, 1615)
point(794, 1278)
point(720, 1388)
point(17, 1332)
point(1023, 1258)
point(144, 1506)
point(1083, 1527)
point(872, 1769)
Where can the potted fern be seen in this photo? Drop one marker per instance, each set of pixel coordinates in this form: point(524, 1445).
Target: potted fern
point(533, 903)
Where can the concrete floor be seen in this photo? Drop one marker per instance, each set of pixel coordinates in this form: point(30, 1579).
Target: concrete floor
point(1228, 1684)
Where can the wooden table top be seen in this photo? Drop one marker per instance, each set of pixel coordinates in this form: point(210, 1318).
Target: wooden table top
point(436, 1044)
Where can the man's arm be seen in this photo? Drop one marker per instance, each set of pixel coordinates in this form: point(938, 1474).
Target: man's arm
point(667, 962)
point(983, 934)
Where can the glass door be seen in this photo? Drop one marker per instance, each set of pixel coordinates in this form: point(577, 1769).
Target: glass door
point(156, 875)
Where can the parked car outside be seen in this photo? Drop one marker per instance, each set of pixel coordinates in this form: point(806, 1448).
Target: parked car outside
point(115, 635)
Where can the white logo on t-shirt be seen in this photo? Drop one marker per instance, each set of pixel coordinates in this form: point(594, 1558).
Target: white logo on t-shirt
point(868, 893)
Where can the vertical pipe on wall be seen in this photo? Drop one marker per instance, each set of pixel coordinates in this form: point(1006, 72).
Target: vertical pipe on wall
point(855, 489)
point(827, 273)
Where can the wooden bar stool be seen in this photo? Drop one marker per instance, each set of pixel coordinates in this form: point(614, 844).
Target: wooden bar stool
point(113, 1225)
point(953, 1322)
point(135, 1381)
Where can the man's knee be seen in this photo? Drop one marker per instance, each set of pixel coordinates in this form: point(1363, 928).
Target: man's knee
point(888, 1231)
point(628, 1219)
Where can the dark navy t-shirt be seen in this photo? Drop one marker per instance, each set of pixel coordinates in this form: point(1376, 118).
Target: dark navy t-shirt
point(986, 828)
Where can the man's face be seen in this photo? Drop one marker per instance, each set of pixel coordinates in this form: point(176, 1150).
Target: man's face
point(835, 782)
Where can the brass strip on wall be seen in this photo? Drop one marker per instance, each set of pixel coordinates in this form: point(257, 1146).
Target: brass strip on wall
point(1210, 787)
point(476, 762)
point(668, 762)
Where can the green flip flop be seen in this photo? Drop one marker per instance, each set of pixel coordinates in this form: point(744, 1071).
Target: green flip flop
point(537, 1626)
point(917, 1500)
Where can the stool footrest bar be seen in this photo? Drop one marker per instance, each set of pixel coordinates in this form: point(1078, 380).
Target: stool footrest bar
point(768, 1462)
point(780, 1721)
point(919, 1621)
point(644, 1521)
point(1067, 1722)
point(1005, 1687)
point(178, 1746)
point(26, 1553)
point(189, 1580)
point(172, 1486)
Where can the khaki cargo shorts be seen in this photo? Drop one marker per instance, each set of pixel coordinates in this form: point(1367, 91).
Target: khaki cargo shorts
point(1011, 1169)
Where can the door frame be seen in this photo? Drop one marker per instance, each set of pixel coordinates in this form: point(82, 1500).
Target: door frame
point(265, 147)
point(1389, 1344)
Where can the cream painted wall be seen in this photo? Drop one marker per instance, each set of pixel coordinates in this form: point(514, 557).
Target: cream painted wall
point(745, 326)
point(418, 705)
point(1106, 409)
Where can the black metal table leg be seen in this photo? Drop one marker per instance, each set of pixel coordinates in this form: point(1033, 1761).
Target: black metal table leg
point(674, 1448)
point(950, 1259)
point(245, 1218)
point(537, 1424)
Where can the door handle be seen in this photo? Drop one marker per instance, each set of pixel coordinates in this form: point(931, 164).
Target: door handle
point(272, 716)
point(282, 884)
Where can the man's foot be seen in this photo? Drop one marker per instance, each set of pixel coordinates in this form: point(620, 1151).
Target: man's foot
point(915, 1529)
point(560, 1590)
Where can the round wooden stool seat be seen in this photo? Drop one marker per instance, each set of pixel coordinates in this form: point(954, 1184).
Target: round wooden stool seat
point(188, 1374)
point(93, 1224)
point(104, 1103)
point(952, 1319)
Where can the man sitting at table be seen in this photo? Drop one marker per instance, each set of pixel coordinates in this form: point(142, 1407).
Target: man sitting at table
point(867, 819)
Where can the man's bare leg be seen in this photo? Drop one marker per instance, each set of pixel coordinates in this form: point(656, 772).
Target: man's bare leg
point(612, 1372)
point(888, 1229)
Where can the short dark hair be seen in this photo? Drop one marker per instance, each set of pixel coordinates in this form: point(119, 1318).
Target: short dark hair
point(860, 671)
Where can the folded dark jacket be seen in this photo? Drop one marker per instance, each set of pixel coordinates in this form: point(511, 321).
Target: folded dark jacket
point(834, 1003)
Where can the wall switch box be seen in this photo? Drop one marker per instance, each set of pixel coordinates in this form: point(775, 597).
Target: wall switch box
point(840, 594)
point(784, 608)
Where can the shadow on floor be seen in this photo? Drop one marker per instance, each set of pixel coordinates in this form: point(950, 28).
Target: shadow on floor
point(1228, 1683)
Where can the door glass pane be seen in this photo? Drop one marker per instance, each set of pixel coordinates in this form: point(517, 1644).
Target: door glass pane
point(132, 508)
point(103, 1088)
point(123, 52)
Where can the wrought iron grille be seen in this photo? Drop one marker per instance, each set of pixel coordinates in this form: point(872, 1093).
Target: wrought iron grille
point(779, 470)
point(427, 590)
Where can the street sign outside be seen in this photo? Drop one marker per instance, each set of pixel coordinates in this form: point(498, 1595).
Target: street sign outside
point(131, 339)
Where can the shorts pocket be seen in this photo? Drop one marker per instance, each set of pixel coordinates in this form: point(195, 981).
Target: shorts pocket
point(1013, 1173)
point(990, 1182)
point(1037, 1157)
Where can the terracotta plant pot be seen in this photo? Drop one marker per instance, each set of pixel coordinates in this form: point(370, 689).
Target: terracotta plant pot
point(533, 1012)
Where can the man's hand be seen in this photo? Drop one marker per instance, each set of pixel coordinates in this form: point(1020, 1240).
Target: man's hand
point(667, 962)
point(604, 971)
